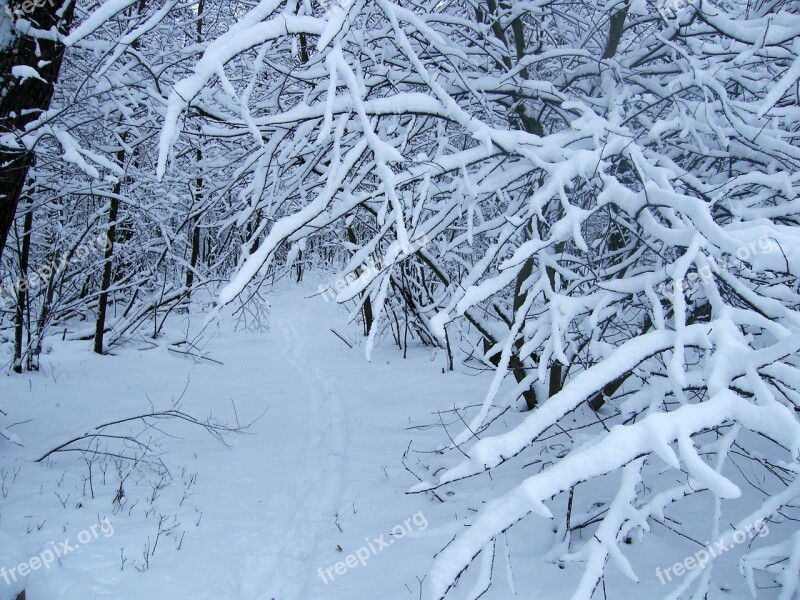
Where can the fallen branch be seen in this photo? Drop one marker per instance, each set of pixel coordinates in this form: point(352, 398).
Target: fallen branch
point(217, 429)
point(334, 332)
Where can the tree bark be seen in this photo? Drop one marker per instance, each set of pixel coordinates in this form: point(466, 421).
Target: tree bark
point(615, 30)
point(22, 100)
point(22, 288)
point(107, 269)
point(529, 125)
point(108, 261)
point(367, 306)
point(194, 227)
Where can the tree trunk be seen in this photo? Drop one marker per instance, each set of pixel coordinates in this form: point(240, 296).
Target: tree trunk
point(615, 30)
point(22, 288)
point(107, 266)
point(193, 260)
point(108, 261)
point(194, 229)
point(530, 125)
point(21, 101)
point(367, 306)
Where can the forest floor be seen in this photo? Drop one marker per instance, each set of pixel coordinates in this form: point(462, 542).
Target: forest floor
point(309, 502)
point(317, 478)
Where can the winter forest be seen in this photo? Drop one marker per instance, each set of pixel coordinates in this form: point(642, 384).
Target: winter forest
point(404, 299)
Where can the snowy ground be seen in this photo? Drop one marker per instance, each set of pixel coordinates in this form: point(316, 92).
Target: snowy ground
point(325, 456)
point(319, 478)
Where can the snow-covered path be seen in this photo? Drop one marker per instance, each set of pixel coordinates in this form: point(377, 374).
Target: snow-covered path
point(316, 450)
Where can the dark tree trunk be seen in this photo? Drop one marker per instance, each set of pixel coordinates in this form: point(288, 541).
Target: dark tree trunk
point(194, 229)
point(193, 260)
point(299, 267)
point(194, 222)
point(531, 125)
point(367, 306)
point(21, 100)
point(615, 30)
point(22, 289)
point(107, 270)
point(108, 260)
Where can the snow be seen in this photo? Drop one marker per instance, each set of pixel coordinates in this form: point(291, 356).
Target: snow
point(289, 224)
point(23, 72)
point(11, 553)
point(601, 298)
point(267, 507)
point(622, 445)
point(96, 19)
point(264, 515)
point(245, 34)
